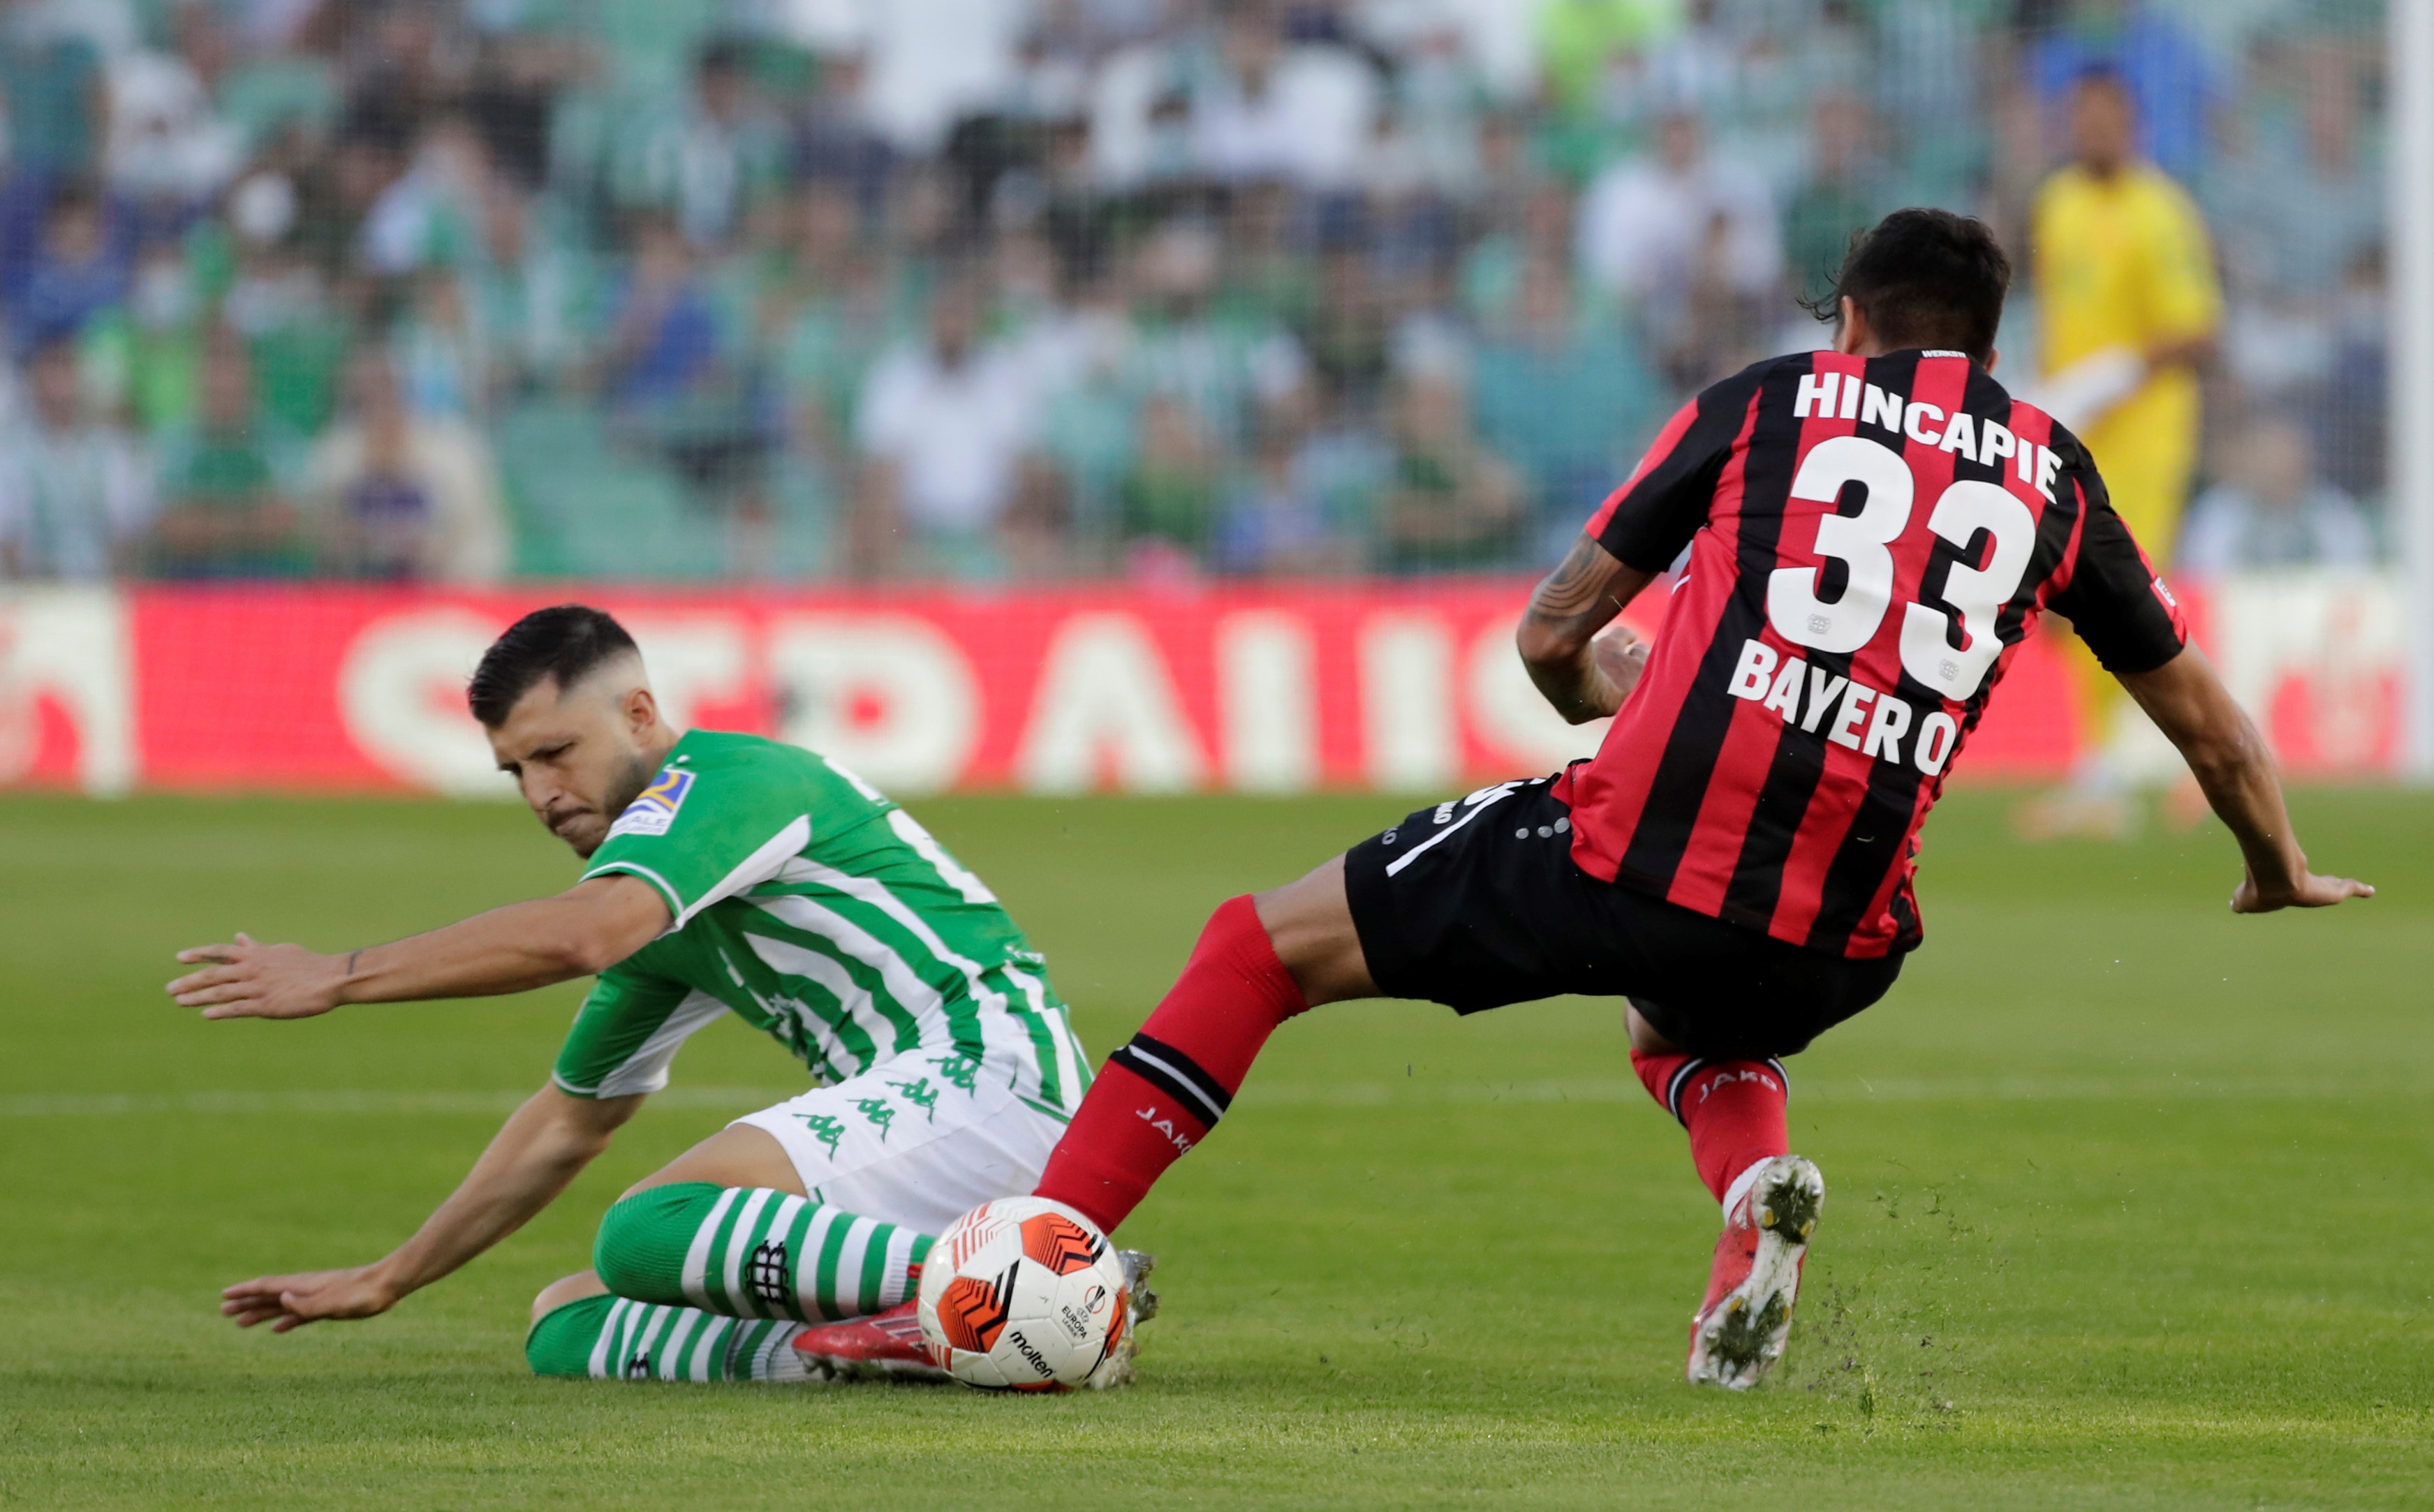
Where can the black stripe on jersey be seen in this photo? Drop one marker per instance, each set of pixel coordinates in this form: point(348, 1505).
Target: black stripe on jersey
point(1871, 847)
point(1668, 503)
point(2055, 527)
point(1791, 780)
point(1177, 1074)
point(1692, 746)
point(1799, 764)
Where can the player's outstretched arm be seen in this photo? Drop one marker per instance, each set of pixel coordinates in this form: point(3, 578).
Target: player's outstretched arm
point(580, 932)
point(541, 1147)
point(2188, 703)
point(1582, 661)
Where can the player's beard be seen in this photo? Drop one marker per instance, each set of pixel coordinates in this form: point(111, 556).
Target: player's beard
point(635, 776)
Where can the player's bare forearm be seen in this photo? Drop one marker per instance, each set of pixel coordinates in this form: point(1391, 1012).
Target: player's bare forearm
point(1584, 668)
point(581, 931)
point(2229, 758)
point(543, 1145)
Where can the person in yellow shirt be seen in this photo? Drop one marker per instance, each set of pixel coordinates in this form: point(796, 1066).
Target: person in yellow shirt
point(2130, 306)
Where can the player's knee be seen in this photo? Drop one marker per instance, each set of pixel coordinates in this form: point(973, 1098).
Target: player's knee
point(641, 1248)
point(567, 1289)
point(1309, 922)
point(561, 1338)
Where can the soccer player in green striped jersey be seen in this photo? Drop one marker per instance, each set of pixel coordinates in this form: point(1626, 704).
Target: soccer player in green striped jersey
point(726, 873)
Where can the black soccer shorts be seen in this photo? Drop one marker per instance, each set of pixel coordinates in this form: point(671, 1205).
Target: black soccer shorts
point(1477, 903)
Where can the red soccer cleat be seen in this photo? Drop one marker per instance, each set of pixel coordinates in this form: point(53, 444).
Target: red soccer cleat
point(882, 1347)
point(1737, 1334)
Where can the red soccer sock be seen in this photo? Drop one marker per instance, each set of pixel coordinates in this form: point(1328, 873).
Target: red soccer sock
point(1733, 1110)
point(1160, 1095)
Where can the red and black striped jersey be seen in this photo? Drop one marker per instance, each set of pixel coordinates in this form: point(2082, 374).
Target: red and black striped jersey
point(1870, 539)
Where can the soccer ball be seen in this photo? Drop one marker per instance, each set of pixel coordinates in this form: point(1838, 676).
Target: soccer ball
point(1022, 1295)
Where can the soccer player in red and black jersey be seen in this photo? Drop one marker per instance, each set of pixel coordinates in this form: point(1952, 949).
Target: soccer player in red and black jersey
point(1870, 530)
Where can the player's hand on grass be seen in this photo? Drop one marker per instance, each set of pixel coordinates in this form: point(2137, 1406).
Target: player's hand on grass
point(250, 980)
point(2308, 892)
point(1620, 655)
point(291, 1301)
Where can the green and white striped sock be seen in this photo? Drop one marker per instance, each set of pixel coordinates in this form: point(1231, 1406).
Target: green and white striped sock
point(612, 1338)
point(754, 1252)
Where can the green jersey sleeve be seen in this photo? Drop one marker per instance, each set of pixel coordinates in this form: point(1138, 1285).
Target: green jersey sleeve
point(710, 825)
point(628, 1033)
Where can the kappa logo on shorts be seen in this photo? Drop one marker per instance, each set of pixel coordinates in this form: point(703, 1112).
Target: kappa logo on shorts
point(824, 1128)
point(920, 1094)
point(880, 1112)
point(656, 810)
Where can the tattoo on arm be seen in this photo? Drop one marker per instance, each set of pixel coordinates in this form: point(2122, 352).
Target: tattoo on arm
point(1579, 599)
point(1580, 591)
point(353, 956)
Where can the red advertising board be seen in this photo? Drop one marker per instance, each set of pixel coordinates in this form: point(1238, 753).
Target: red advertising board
point(1415, 687)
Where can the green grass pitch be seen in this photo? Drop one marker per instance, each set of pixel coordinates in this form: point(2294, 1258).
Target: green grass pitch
point(2128, 1201)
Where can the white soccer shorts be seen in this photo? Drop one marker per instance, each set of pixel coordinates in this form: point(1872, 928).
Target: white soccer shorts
point(919, 1140)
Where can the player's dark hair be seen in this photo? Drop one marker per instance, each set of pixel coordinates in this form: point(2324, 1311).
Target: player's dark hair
point(1925, 278)
point(563, 643)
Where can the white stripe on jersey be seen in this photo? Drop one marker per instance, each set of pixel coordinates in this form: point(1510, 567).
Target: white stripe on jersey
point(916, 996)
point(996, 1027)
point(852, 1000)
point(1060, 1030)
point(647, 1069)
point(961, 878)
point(752, 871)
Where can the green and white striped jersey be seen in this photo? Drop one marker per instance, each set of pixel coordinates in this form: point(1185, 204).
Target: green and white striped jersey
point(806, 902)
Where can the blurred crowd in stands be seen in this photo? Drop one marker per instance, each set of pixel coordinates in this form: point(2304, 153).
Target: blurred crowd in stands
point(455, 290)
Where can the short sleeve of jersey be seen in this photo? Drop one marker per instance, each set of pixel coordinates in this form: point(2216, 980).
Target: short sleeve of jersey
point(629, 1032)
point(2114, 599)
point(706, 829)
point(1647, 522)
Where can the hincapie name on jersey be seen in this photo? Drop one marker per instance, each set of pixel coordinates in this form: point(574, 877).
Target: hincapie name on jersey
point(1843, 709)
point(1834, 397)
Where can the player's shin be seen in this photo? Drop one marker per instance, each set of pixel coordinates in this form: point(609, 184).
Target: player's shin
point(1733, 1111)
point(755, 1252)
point(1162, 1093)
point(619, 1339)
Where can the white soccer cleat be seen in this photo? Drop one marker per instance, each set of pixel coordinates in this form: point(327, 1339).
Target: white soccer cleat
point(1117, 1369)
point(1737, 1334)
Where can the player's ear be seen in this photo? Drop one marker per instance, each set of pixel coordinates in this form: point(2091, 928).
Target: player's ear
point(1850, 326)
point(641, 709)
point(1993, 355)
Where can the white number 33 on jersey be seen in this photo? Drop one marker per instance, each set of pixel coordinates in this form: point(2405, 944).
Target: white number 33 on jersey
point(1862, 543)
